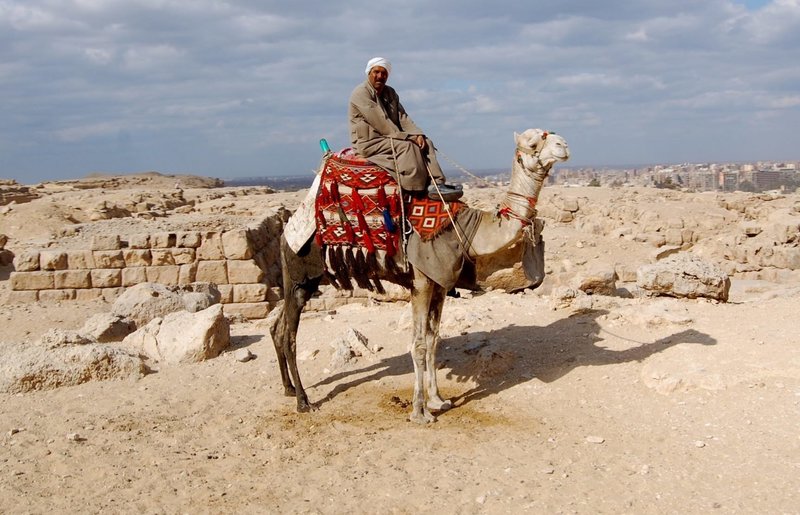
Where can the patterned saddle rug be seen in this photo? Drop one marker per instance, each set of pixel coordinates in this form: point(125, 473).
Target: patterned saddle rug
point(358, 210)
point(358, 205)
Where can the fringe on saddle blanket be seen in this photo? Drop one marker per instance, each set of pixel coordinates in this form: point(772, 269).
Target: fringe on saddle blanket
point(442, 258)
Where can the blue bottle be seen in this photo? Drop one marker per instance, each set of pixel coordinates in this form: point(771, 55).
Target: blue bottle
point(323, 144)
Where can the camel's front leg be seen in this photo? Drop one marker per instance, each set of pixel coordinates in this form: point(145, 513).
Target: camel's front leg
point(435, 402)
point(421, 293)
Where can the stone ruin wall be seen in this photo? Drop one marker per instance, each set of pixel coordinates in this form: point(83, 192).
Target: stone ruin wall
point(244, 263)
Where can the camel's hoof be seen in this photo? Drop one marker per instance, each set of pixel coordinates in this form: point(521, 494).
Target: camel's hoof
point(305, 407)
point(440, 405)
point(422, 418)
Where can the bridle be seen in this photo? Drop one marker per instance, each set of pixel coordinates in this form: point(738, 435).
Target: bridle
point(528, 203)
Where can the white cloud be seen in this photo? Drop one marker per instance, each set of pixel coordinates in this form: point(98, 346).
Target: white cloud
point(260, 82)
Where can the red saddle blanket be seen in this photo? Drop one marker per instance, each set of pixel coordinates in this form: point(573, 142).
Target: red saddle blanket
point(358, 205)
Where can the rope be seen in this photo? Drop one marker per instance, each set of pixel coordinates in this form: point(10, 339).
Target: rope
point(464, 170)
point(403, 221)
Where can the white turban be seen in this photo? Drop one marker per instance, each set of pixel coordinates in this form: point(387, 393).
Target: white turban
point(379, 61)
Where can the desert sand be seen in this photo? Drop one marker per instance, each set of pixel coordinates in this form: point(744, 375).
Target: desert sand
point(623, 404)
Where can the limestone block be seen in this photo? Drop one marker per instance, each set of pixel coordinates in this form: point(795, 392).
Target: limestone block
point(72, 279)
point(249, 292)
point(570, 205)
point(247, 309)
point(22, 297)
point(106, 277)
point(687, 235)
point(244, 272)
point(32, 280)
point(190, 239)
point(236, 244)
point(162, 240)
point(226, 293)
point(89, 294)
point(183, 256)
point(213, 272)
point(139, 241)
point(27, 261)
point(56, 295)
point(187, 274)
point(211, 247)
point(134, 275)
point(108, 259)
point(106, 242)
point(52, 260)
point(80, 259)
point(162, 257)
point(137, 257)
point(163, 274)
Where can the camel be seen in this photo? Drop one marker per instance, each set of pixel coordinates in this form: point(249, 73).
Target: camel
point(536, 152)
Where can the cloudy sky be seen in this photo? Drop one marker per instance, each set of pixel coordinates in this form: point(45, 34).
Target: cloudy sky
point(247, 88)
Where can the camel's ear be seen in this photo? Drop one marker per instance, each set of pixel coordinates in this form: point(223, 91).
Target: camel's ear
point(516, 137)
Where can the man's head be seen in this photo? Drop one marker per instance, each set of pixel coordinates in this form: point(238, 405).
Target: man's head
point(377, 71)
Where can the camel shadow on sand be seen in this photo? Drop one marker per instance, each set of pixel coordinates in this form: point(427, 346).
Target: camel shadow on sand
point(493, 361)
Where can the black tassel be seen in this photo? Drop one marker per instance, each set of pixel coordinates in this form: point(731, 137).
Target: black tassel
point(340, 266)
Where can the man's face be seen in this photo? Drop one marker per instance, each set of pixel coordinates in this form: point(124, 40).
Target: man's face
point(377, 77)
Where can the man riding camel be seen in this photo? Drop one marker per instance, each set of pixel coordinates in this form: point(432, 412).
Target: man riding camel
point(382, 132)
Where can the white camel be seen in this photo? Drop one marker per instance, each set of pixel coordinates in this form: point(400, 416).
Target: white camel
point(536, 152)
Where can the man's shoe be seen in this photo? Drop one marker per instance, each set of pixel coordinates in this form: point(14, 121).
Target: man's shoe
point(445, 192)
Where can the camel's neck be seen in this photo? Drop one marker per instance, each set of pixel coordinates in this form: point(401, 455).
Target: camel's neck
point(517, 209)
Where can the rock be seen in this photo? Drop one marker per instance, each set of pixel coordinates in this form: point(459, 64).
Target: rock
point(598, 281)
point(143, 302)
point(351, 345)
point(684, 275)
point(107, 327)
point(183, 337)
point(3, 241)
point(31, 367)
point(595, 439)
point(243, 355)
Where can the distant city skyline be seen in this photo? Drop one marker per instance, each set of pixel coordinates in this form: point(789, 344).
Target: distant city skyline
point(234, 89)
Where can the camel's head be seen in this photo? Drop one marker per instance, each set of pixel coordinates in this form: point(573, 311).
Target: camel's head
point(537, 144)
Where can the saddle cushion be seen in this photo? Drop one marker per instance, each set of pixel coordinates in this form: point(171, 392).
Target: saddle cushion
point(430, 217)
point(358, 205)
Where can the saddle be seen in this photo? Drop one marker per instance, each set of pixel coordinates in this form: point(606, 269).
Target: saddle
point(359, 210)
point(359, 205)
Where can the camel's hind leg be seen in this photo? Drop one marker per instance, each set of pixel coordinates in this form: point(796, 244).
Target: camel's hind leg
point(435, 402)
point(421, 294)
point(293, 305)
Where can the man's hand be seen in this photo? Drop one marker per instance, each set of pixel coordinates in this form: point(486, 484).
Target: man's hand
point(421, 143)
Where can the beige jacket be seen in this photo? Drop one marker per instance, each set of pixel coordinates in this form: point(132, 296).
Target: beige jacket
point(377, 124)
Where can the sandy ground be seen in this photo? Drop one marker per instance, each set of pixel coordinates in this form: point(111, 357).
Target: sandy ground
point(634, 406)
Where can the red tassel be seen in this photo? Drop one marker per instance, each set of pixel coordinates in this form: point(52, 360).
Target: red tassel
point(390, 248)
point(381, 198)
point(358, 203)
point(335, 192)
point(362, 225)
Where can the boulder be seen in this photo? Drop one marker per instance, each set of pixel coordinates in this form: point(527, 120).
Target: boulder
point(31, 367)
point(684, 275)
point(183, 337)
point(107, 327)
point(598, 281)
point(143, 302)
